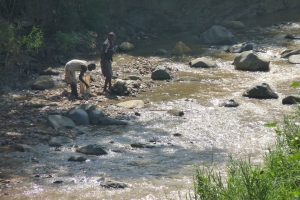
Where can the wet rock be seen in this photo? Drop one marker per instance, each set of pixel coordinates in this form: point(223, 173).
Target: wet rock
point(175, 112)
point(58, 121)
point(58, 182)
point(180, 49)
point(126, 46)
point(133, 77)
point(177, 134)
point(77, 159)
point(39, 103)
point(59, 141)
point(110, 121)
point(96, 116)
point(22, 148)
point(88, 107)
point(42, 83)
point(137, 145)
point(249, 61)
point(292, 37)
point(291, 100)
point(260, 91)
point(218, 35)
point(92, 149)
point(229, 103)
point(294, 59)
point(79, 116)
point(160, 73)
point(132, 104)
point(49, 71)
point(113, 184)
point(203, 63)
point(288, 52)
point(239, 48)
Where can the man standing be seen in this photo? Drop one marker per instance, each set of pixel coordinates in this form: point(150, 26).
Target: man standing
point(77, 65)
point(107, 52)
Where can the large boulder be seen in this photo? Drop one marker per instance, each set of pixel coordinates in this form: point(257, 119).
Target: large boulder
point(239, 48)
point(291, 100)
point(294, 59)
point(160, 73)
point(260, 91)
point(203, 63)
point(180, 49)
point(126, 46)
point(111, 121)
point(78, 116)
point(42, 83)
point(58, 121)
point(218, 35)
point(249, 61)
point(96, 116)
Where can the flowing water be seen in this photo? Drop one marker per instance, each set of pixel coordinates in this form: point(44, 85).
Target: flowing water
point(206, 133)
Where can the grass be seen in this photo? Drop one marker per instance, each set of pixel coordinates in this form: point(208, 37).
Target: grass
point(277, 178)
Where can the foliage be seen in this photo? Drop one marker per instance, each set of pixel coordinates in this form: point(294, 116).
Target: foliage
point(295, 84)
point(11, 44)
point(33, 41)
point(68, 41)
point(277, 178)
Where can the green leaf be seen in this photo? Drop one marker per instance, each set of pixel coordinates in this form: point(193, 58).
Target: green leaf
point(295, 84)
point(273, 124)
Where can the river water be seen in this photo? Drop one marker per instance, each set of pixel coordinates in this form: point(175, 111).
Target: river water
point(206, 133)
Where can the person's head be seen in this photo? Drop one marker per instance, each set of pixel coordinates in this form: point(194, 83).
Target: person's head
point(111, 36)
point(91, 66)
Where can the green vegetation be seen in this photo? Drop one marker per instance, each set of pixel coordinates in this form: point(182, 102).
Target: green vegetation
point(277, 178)
point(11, 44)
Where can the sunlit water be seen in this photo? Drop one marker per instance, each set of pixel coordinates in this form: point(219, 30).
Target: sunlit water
point(208, 133)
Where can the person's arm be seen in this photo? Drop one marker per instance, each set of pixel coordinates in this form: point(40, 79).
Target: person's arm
point(83, 70)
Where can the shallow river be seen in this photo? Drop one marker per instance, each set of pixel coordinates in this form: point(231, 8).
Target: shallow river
point(207, 133)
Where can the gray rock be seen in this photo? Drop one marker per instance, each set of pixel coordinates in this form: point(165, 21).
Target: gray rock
point(261, 91)
point(294, 59)
point(203, 63)
point(110, 121)
point(79, 116)
point(160, 73)
point(175, 112)
point(229, 103)
point(96, 116)
point(42, 83)
point(249, 61)
point(58, 121)
point(88, 107)
point(133, 77)
point(239, 48)
point(288, 52)
point(162, 52)
point(291, 100)
point(218, 35)
point(59, 141)
point(77, 159)
point(126, 46)
point(92, 149)
point(113, 184)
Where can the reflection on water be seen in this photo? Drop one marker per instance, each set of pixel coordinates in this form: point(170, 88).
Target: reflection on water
point(204, 134)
